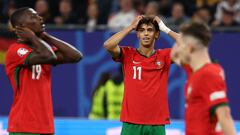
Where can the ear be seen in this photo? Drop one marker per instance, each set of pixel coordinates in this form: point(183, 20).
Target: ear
point(191, 48)
point(138, 34)
point(157, 35)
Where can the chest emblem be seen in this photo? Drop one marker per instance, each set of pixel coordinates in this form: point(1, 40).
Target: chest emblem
point(22, 51)
point(158, 64)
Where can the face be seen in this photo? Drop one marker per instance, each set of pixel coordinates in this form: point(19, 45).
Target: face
point(228, 19)
point(182, 51)
point(41, 7)
point(151, 9)
point(178, 11)
point(204, 15)
point(126, 5)
point(65, 7)
point(147, 35)
point(93, 11)
point(33, 21)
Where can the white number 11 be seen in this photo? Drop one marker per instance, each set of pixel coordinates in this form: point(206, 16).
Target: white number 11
point(135, 70)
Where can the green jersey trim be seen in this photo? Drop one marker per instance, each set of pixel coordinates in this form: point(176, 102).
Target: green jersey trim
point(26, 62)
point(17, 76)
point(213, 109)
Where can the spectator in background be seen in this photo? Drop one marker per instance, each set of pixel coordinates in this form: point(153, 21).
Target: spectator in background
point(107, 98)
point(11, 7)
point(211, 4)
point(228, 19)
point(66, 14)
point(124, 17)
point(178, 14)
point(98, 105)
point(92, 17)
point(139, 5)
point(152, 8)
point(202, 15)
point(165, 8)
point(42, 8)
point(229, 5)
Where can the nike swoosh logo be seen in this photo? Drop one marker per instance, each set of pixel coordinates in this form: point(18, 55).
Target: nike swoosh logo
point(134, 62)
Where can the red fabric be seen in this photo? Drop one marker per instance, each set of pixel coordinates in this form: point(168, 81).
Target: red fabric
point(5, 43)
point(200, 88)
point(145, 98)
point(31, 111)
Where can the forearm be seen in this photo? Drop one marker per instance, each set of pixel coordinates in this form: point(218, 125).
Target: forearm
point(225, 120)
point(66, 50)
point(41, 47)
point(113, 41)
point(174, 35)
point(227, 125)
point(167, 30)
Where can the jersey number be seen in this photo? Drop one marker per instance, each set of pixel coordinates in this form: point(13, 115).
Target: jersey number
point(137, 72)
point(36, 72)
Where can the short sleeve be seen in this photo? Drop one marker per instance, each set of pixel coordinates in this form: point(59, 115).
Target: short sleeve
point(124, 51)
point(166, 54)
point(19, 55)
point(216, 89)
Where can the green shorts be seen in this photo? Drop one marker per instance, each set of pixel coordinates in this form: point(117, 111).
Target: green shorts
point(27, 134)
point(137, 129)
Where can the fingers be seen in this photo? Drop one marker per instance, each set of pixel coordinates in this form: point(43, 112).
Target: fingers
point(156, 18)
point(19, 30)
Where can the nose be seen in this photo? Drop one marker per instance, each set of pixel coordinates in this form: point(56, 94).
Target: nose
point(145, 32)
point(41, 19)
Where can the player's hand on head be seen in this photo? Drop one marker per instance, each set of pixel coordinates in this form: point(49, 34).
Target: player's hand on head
point(157, 19)
point(136, 21)
point(161, 25)
point(23, 33)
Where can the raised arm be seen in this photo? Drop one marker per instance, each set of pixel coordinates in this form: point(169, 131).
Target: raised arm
point(41, 53)
point(165, 29)
point(111, 45)
point(66, 53)
point(225, 120)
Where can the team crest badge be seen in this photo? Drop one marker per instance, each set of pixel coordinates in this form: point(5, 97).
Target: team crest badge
point(22, 51)
point(158, 63)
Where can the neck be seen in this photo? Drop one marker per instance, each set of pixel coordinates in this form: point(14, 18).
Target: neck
point(146, 51)
point(199, 59)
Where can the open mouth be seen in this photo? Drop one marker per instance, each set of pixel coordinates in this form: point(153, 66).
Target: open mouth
point(146, 39)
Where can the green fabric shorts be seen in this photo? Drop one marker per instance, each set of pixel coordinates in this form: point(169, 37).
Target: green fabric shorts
point(27, 134)
point(136, 129)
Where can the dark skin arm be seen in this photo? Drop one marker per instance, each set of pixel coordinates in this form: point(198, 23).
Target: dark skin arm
point(66, 53)
point(42, 52)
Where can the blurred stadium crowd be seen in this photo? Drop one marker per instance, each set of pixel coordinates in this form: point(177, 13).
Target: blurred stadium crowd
point(116, 14)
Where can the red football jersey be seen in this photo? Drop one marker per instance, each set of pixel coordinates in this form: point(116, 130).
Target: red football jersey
point(145, 98)
point(31, 111)
point(205, 89)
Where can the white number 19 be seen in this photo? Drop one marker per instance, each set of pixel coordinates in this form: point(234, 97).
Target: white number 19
point(36, 72)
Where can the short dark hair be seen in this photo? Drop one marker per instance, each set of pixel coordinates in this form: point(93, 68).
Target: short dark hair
point(148, 20)
point(17, 15)
point(201, 31)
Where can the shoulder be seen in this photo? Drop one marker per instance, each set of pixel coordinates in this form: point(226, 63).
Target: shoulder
point(19, 49)
point(212, 72)
point(16, 46)
point(165, 51)
point(127, 49)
